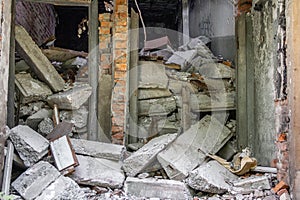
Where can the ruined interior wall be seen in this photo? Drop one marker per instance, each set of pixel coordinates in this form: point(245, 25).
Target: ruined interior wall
point(215, 19)
point(264, 23)
point(37, 18)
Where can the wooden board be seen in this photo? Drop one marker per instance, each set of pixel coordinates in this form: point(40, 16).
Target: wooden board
point(62, 55)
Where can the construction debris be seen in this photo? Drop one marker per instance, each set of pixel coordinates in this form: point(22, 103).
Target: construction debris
point(33, 55)
point(153, 188)
point(34, 120)
point(30, 145)
point(253, 183)
point(146, 156)
point(98, 172)
point(98, 149)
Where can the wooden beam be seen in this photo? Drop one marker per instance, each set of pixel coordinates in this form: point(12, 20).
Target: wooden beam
point(93, 70)
point(64, 2)
point(133, 77)
point(5, 28)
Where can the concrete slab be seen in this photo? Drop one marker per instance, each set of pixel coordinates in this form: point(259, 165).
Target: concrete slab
point(211, 177)
point(31, 89)
point(216, 70)
point(35, 180)
point(156, 188)
point(40, 64)
point(98, 149)
point(34, 120)
point(182, 58)
point(98, 172)
point(72, 99)
point(190, 148)
point(253, 183)
point(78, 117)
point(30, 145)
point(146, 156)
point(152, 75)
point(161, 106)
point(62, 188)
point(153, 93)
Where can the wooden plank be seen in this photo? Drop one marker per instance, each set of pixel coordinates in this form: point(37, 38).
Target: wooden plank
point(93, 70)
point(64, 2)
point(241, 71)
point(40, 64)
point(62, 55)
point(5, 30)
point(185, 21)
point(133, 77)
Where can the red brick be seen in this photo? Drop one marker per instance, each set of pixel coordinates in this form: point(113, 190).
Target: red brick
point(281, 185)
point(104, 17)
point(120, 61)
point(121, 23)
point(122, 8)
point(117, 129)
point(120, 75)
point(104, 30)
point(121, 16)
point(121, 44)
point(105, 58)
point(103, 45)
point(106, 24)
point(121, 2)
point(121, 29)
point(121, 36)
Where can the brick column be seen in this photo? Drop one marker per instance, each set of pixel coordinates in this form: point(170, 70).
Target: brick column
point(120, 70)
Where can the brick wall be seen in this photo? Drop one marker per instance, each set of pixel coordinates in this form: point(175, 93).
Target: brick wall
point(120, 67)
point(37, 18)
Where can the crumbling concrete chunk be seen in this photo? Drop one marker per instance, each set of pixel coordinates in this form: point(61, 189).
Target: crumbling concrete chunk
point(190, 148)
point(46, 126)
point(63, 188)
point(30, 145)
point(153, 93)
point(146, 156)
point(72, 99)
point(77, 117)
point(35, 180)
point(216, 70)
point(34, 120)
point(98, 149)
point(182, 58)
point(153, 188)
point(253, 183)
point(33, 55)
point(161, 106)
point(31, 89)
point(98, 172)
point(211, 177)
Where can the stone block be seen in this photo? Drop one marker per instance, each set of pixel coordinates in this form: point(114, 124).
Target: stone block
point(211, 177)
point(30, 145)
point(98, 172)
point(161, 106)
point(156, 188)
point(31, 89)
point(35, 180)
point(72, 99)
point(190, 148)
point(98, 149)
point(146, 156)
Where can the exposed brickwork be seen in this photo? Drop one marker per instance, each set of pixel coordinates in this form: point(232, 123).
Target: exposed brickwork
point(105, 43)
point(37, 18)
point(244, 6)
point(120, 64)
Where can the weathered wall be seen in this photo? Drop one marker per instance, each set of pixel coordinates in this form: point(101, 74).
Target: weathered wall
point(37, 18)
point(215, 19)
point(264, 59)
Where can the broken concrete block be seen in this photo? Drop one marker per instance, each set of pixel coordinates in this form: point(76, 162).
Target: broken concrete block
point(152, 75)
point(31, 108)
point(153, 93)
point(228, 150)
point(176, 86)
point(156, 188)
point(146, 156)
point(98, 149)
point(62, 188)
point(46, 126)
point(211, 177)
point(34, 120)
point(72, 99)
point(161, 106)
point(31, 89)
point(30, 145)
point(35, 180)
point(190, 148)
point(77, 117)
point(182, 58)
point(40, 64)
point(98, 172)
point(216, 70)
point(253, 183)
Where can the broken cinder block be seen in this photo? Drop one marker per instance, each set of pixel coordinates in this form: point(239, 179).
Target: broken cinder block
point(72, 99)
point(98, 149)
point(211, 177)
point(40, 64)
point(190, 148)
point(153, 188)
point(30, 145)
point(146, 156)
point(35, 180)
point(98, 172)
